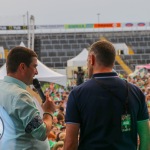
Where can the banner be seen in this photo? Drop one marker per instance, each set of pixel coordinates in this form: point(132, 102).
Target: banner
point(74, 26)
point(49, 27)
point(13, 27)
point(141, 24)
point(107, 25)
point(135, 24)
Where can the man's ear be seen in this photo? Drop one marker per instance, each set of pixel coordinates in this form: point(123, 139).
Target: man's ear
point(92, 59)
point(22, 66)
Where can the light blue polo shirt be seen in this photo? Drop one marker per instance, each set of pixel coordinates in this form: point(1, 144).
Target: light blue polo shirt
point(17, 110)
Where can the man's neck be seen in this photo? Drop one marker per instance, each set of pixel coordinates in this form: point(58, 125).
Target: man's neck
point(16, 75)
point(102, 70)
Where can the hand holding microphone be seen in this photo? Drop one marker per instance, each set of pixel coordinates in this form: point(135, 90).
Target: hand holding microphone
point(48, 104)
point(37, 85)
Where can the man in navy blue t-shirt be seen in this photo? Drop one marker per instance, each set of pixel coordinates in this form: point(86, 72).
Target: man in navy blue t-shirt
point(106, 112)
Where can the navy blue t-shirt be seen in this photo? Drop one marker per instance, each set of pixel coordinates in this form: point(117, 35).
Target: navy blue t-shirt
point(99, 113)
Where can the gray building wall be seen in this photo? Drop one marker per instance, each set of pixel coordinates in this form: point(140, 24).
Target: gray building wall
point(54, 49)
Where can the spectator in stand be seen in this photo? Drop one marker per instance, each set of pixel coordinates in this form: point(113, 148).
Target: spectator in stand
point(80, 76)
point(52, 139)
point(62, 136)
point(60, 118)
point(148, 102)
point(59, 145)
point(147, 90)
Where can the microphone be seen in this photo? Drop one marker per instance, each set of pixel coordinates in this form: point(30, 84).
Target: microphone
point(37, 85)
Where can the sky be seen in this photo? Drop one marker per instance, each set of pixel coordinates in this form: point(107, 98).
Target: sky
point(51, 12)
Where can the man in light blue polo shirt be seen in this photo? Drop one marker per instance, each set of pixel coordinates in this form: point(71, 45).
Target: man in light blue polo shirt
point(21, 127)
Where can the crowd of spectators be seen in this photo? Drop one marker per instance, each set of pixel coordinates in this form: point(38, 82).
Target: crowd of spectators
point(60, 94)
point(57, 134)
point(143, 82)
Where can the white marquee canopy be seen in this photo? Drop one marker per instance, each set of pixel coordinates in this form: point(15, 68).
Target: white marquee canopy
point(44, 73)
point(80, 60)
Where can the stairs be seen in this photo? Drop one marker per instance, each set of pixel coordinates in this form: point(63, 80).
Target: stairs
point(6, 51)
point(103, 38)
point(123, 65)
point(131, 52)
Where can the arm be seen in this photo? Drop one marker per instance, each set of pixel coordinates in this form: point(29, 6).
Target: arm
point(27, 112)
point(47, 119)
point(144, 134)
point(49, 107)
point(71, 140)
point(143, 126)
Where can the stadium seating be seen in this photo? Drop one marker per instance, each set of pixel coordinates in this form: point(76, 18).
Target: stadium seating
point(55, 49)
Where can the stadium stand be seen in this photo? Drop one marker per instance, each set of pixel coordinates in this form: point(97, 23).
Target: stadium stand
point(55, 49)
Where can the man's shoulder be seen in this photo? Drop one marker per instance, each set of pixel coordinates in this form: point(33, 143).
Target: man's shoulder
point(133, 86)
point(83, 85)
point(12, 89)
point(16, 89)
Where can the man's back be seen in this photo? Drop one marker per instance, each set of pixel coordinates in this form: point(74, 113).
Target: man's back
point(98, 112)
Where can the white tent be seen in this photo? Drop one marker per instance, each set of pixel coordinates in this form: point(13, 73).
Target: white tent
point(80, 60)
point(22, 44)
point(48, 75)
point(44, 73)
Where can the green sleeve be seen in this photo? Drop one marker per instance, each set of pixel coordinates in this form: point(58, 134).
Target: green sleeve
point(143, 128)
